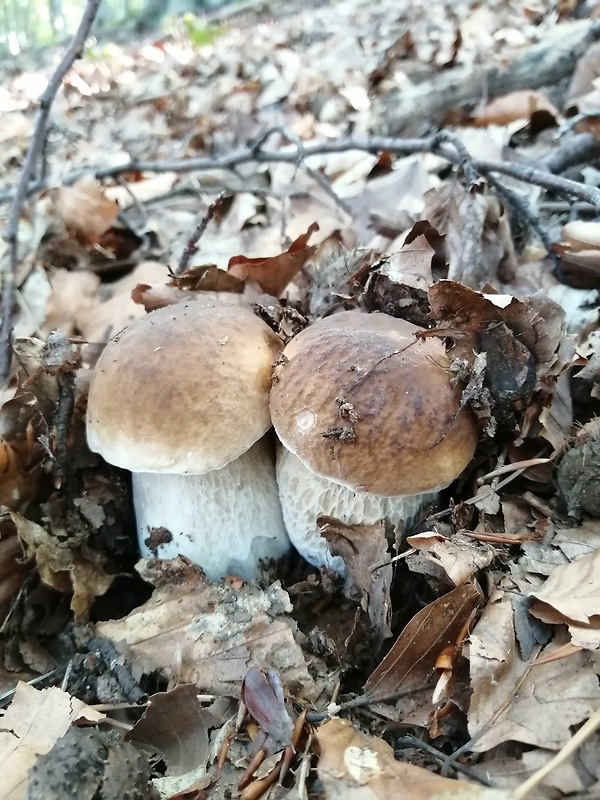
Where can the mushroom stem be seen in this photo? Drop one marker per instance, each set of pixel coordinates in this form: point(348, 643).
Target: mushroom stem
point(306, 496)
point(226, 520)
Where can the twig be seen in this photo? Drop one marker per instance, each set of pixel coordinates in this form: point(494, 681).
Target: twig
point(192, 243)
point(527, 173)
point(36, 146)
point(419, 744)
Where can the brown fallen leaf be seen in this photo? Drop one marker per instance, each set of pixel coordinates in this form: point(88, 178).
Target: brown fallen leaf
point(64, 565)
point(571, 596)
point(274, 273)
point(85, 209)
point(478, 241)
point(217, 630)
point(515, 700)
point(512, 107)
point(410, 664)
point(459, 556)
point(362, 548)
point(34, 722)
point(176, 725)
point(353, 766)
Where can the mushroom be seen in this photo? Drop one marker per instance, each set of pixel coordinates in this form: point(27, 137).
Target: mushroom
point(180, 398)
point(370, 422)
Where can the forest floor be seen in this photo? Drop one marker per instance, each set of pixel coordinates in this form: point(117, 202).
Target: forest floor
point(436, 162)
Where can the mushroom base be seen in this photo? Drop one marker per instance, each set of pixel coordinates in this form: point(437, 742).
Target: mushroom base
point(226, 521)
point(306, 496)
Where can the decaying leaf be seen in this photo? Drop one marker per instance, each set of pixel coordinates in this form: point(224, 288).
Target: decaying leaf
point(176, 725)
point(353, 766)
point(85, 209)
point(67, 566)
point(410, 664)
point(479, 246)
point(362, 548)
point(460, 556)
point(33, 724)
point(517, 700)
point(274, 273)
point(216, 630)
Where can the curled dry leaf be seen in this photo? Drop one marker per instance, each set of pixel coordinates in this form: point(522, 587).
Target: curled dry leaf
point(479, 246)
point(353, 766)
point(363, 547)
point(64, 564)
point(263, 696)
point(218, 630)
point(274, 273)
point(460, 556)
point(571, 595)
point(410, 664)
point(85, 209)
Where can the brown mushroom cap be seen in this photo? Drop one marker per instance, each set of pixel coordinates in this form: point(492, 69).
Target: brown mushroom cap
point(364, 403)
point(184, 389)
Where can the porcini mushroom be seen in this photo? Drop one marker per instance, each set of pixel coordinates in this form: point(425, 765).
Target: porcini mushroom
point(371, 424)
point(181, 399)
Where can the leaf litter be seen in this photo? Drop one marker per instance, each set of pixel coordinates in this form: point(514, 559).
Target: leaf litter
point(468, 637)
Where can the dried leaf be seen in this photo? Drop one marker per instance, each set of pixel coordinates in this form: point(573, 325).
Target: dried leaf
point(411, 661)
point(362, 548)
point(31, 726)
point(479, 246)
point(274, 273)
point(176, 725)
point(514, 106)
point(573, 590)
point(218, 630)
point(85, 209)
point(63, 565)
point(460, 556)
point(353, 766)
point(513, 700)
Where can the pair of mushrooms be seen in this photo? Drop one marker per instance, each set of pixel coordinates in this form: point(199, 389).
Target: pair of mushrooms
point(369, 422)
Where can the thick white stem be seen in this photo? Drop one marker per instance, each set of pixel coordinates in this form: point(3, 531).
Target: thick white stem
point(226, 520)
point(306, 496)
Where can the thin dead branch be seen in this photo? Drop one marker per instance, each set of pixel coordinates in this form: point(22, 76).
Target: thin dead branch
point(36, 147)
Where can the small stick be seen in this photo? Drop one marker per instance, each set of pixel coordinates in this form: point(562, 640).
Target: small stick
point(36, 146)
point(192, 244)
point(566, 752)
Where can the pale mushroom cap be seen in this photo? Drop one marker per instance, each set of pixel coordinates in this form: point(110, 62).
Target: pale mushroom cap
point(410, 433)
point(184, 389)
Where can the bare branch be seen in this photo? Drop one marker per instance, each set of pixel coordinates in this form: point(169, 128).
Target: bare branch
point(36, 146)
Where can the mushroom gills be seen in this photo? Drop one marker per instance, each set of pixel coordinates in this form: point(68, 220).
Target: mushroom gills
point(227, 520)
point(306, 496)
